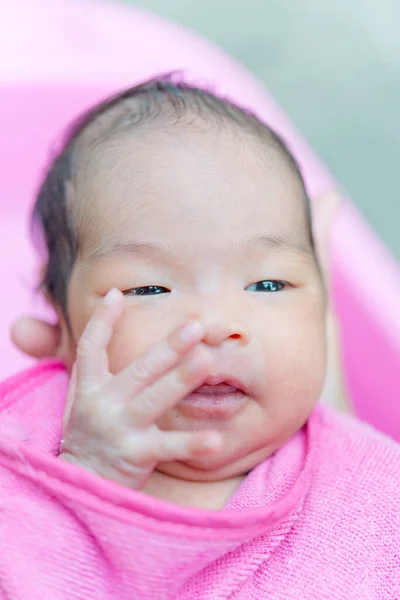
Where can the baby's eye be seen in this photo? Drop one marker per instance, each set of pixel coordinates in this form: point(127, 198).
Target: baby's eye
point(147, 290)
point(268, 285)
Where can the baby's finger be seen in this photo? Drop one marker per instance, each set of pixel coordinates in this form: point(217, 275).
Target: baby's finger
point(156, 399)
point(186, 445)
point(156, 362)
point(91, 355)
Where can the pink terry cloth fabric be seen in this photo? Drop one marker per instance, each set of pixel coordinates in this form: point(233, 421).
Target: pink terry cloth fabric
point(318, 519)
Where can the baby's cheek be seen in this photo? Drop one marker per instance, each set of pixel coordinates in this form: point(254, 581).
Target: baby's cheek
point(295, 363)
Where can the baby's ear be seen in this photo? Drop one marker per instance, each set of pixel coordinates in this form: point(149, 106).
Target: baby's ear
point(324, 211)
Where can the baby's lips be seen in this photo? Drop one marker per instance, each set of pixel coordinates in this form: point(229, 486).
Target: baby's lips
point(225, 384)
point(216, 390)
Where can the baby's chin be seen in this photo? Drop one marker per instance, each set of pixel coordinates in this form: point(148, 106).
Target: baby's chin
point(216, 467)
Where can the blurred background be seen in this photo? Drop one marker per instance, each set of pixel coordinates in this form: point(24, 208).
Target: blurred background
point(334, 66)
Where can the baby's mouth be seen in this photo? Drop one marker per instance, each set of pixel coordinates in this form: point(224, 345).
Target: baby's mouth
point(217, 400)
point(218, 390)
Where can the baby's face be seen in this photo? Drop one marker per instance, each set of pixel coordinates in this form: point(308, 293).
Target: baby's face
point(218, 224)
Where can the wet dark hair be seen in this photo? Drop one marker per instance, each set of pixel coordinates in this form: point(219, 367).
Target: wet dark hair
point(164, 100)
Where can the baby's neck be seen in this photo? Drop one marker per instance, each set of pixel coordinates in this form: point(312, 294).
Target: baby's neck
point(207, 495)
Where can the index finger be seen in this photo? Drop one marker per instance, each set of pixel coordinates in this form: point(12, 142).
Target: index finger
point(91, 353)
point(149, 367)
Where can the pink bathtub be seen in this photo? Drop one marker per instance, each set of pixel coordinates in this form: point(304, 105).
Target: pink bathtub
point(58, 57)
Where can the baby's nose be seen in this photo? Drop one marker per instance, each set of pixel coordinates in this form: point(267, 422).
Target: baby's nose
point(219, 331)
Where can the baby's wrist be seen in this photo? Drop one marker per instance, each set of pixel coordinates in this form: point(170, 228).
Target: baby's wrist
point(111, 474)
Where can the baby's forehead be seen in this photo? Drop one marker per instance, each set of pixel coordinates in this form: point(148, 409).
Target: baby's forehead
point(184, 178)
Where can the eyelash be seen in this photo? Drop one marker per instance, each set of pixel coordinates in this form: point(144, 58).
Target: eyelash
point(268, 285)
point(147, 290)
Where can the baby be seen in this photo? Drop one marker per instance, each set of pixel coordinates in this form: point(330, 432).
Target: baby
point(181, 265)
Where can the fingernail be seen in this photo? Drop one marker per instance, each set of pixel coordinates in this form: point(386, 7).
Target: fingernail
point(191, 331)
point(112, 296)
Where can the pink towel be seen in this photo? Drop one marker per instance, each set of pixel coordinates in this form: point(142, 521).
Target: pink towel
point(319, 519)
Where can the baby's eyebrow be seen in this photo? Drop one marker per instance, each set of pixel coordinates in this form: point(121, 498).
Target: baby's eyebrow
point(281, 242)
point(129, 248)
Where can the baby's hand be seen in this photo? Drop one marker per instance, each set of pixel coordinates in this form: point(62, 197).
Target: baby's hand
point(110, 424)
